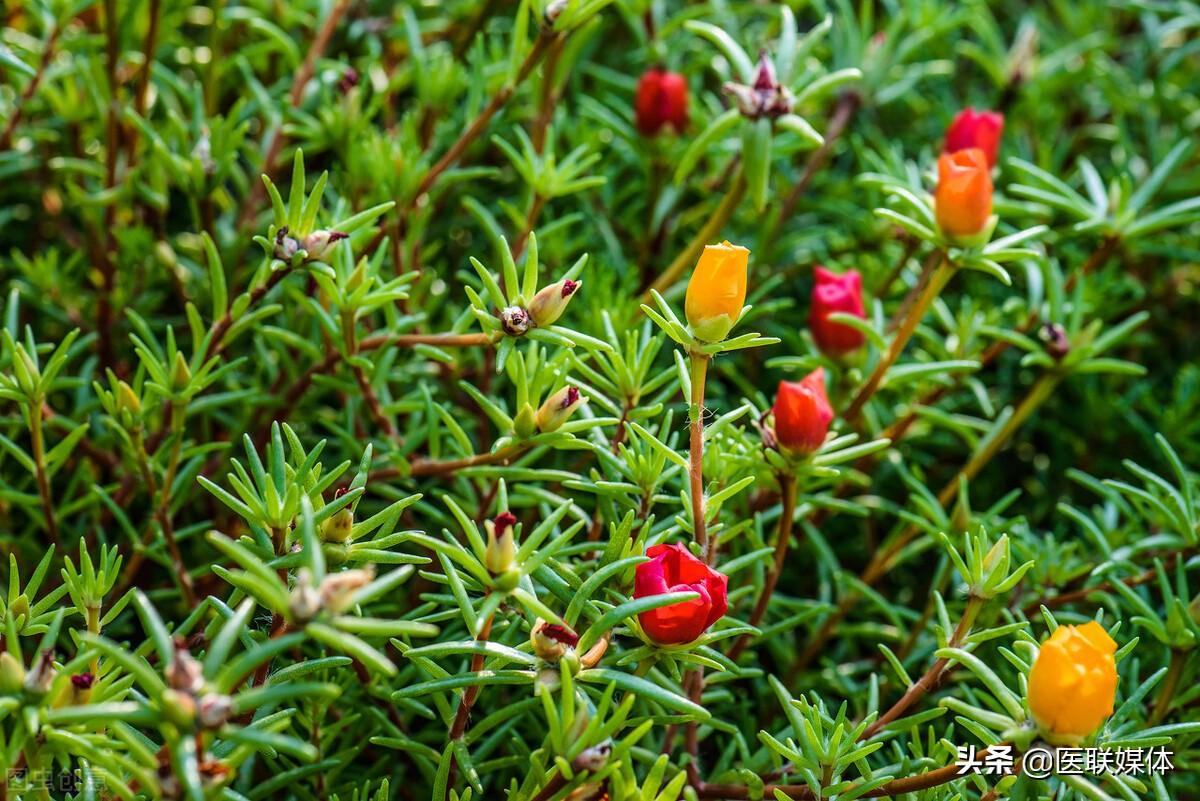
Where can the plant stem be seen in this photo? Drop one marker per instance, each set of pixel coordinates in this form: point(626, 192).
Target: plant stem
point(699, 371)
point(31, 88)
point(707, 233)
point(787, 489)
point(463, 715)
point(1166, 693)
point(38, 446)
point(937, 281)
point(933, 676)
point(480, 123)
point(163, 512)
point(848, 103)
point(350, 338)
point(881, 562)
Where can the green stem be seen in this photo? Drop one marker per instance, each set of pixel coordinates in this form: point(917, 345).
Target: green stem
point(699, 371)
point(42, 475)
point(1166, 693)
point(916, 312)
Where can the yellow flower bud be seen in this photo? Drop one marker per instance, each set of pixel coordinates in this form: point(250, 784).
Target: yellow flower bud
point(558, 408)
point(501, 553)
point(1073, 682)
point(716, 292)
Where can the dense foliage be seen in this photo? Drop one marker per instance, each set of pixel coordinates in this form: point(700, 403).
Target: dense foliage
point(425, 467)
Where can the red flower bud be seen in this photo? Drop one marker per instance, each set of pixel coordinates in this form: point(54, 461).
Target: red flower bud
point(662, 99)
point(83, 681)
point(802, 414)
point(963, 199)
point(971, 128)
point(672, 568)
point(831, 294)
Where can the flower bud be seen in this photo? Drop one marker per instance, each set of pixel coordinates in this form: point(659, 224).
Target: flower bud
point(551, 301)
point(558, 408)
point(672, 568)
point(337, 589)
point(525, 423)
point(594, 758)
point(12, 674)
point(339, 526)
point(501, 553)
point(802, 414)
point(971, 128)
point(662, 99)
point(963, 198)
point(1055, 339)
point(551, 641)
point(41, 676)
point(1073, 682)
point(127, 399)
point(305, 601)
point(285, 246)
point(179, 708)
point(716, 292)
point(181, 374)
point(214, 710)
point(766, 97)
point(184, 673)
point(514, 320)
point(319, 244)
point(831, 294)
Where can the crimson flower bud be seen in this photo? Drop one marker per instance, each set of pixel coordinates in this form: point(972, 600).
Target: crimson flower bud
point(963, 199)
point(558, 408)
point(971, 128)
point(551, 641)
point(501, 547)
point(831, 294)
point(83, 681)
point(672, 568)
point(551, 301)
point(802, 414)
point(662, 99)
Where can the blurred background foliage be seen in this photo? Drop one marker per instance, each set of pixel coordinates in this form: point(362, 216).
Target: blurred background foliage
point(132, 135)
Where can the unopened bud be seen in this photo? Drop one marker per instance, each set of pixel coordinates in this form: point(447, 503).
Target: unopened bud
point(38, 680)
point(83, 681)
point(285, 246)
point(304, 602)
point(337, 590)
point(12, 674)
point(348, 81)
point(766, 97)
point(214, 710)
point(179, 708)
point(514, 320)
point(1055, 339)
point(501, 546)
point(181, 374)
point(551, 641)
point(319, 244)
point(338, 527)
point(127, 399)
point(551, 301)
point(594, 758)
point(184, 673)
point(558, 408)
point(554, 9)
point(525, 423)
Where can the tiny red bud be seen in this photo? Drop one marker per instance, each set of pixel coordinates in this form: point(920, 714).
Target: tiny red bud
point(831, 294)
point(83, 681)
point(662, 99)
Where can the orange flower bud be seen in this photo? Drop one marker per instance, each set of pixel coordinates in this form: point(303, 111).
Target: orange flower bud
point(717, 291)
point(963, 199)
point(1073, 681)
